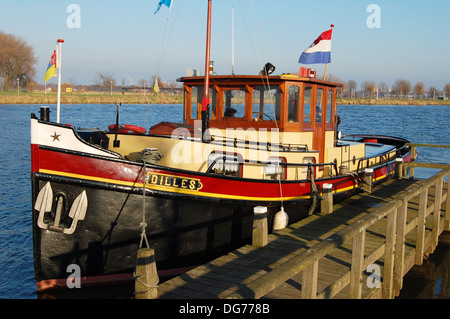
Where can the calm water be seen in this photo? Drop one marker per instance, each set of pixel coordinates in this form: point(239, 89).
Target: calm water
point(419, 124)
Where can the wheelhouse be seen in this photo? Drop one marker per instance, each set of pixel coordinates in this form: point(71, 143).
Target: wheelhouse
point(288, 102)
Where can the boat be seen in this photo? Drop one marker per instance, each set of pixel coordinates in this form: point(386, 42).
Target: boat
point(189, 190)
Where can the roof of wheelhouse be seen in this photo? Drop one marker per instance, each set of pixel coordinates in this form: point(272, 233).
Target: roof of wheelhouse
point(253, 80)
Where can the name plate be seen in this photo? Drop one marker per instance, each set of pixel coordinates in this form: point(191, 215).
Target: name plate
point(170, 181)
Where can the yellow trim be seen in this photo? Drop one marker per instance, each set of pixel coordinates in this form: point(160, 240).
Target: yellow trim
point(97, 179)
point(182, 191)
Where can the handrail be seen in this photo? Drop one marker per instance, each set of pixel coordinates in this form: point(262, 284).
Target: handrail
point(233, 159)
point(413, 162)
point(393, 249)
point(395, 150)
point(225, 140)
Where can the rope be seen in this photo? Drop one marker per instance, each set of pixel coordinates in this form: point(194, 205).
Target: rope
point(143, 225)
point(249, 36)
point(359, 181)
point(314, 192)
point(149, 287)
point(257, 30)
point(424, 157)
point(161, 54)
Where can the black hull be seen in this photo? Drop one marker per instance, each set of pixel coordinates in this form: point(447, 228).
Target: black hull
point(184, 232)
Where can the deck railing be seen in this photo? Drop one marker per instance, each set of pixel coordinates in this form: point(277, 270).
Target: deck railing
point(414, 154)
point(391, 251)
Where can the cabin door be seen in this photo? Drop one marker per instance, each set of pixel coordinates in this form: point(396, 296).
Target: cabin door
point(319, 122)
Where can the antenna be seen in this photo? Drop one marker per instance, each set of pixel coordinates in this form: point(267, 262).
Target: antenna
point(232, 41)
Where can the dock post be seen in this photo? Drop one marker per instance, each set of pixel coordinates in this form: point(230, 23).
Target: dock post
point(413, 162)
point(326, 206)
point(399, 168)
point(146, 276)
point(447, 209)
point(368, 180)
point(260, 228)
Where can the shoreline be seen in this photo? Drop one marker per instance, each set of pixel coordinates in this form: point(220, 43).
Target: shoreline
point(40, 98)
point(385, 101)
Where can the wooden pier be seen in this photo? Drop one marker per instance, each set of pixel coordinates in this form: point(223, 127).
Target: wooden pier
point(362, 249)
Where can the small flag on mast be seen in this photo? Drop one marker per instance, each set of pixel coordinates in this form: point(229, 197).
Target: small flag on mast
point(319, 51)
point(167, 3)
point(51, 69)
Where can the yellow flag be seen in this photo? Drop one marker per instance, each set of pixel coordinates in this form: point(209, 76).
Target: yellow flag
point(51, 69)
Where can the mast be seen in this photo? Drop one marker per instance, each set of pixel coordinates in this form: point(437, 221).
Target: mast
point(232, 41)
point(205, 102)
point(58, 63)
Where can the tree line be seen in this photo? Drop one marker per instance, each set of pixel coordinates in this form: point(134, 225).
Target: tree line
point(18, 68)
point(401, 88)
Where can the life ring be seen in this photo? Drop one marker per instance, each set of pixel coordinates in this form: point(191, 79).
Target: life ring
point(127, 128)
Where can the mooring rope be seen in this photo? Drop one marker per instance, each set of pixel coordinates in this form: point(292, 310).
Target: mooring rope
point(425, 157)
point(314, 192)
point(143, 225)
point(149, 287)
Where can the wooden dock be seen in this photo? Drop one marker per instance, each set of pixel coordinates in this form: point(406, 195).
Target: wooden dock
point(361, 250)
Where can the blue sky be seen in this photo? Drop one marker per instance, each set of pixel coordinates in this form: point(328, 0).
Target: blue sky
point(124, 38)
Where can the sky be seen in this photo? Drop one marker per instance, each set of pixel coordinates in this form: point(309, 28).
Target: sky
point(374, 40)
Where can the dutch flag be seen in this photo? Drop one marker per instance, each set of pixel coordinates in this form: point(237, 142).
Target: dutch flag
point(319, 51)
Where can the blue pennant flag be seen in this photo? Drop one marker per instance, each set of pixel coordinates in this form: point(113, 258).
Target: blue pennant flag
point(167, 3)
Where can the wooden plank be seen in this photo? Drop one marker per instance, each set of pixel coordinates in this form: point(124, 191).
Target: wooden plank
point(420, 245)
point(388, 280)
point(309, 282)
point(437, 212)
point(400, 246)
point(447, 207)
point(359, 243)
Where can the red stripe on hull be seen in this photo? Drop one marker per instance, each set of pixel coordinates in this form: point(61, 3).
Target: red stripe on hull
point(114, 171)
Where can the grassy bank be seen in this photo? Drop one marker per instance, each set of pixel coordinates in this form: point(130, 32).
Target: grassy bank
point(89, 98)
point(385, 101)
point(139, 98)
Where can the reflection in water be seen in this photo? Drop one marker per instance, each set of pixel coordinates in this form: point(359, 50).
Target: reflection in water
point(430, 280)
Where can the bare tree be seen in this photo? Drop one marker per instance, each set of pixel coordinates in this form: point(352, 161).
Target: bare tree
point(17, 61)
point(369, 86)
point(352, 86)
point(104, 81)
point(419, 89)
point(401, 87)
point(447, 90)
point(434, 92)
point(384, 88)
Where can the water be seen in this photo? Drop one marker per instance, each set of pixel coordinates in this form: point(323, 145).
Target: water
point(419, 124)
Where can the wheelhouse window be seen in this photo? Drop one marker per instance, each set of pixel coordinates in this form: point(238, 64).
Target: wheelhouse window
point(234, 103)
point(266, 103)
point(305, 170)
point(330, 94)
point(319, 106)
point(197, 99)
point(307, 112)
point(225, 164)
point(274, 170)
point(293, 103)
